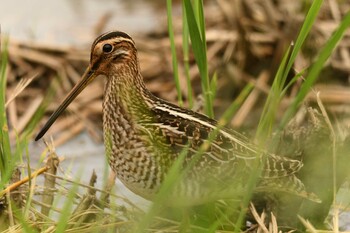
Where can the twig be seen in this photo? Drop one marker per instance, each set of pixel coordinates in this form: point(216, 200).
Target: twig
point(260, 220)
point(23, 181)
point(307, 225)
point(49, 183)
point(104, 198)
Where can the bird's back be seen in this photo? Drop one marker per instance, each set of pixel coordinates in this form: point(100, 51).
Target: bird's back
point(219, 165)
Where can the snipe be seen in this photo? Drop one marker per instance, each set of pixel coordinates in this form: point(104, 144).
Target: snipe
point(144, 135)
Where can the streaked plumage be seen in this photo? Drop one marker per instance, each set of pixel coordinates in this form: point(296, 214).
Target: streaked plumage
point(144, 135)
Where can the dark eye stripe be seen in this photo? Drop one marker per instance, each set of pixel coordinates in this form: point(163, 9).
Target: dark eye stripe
point(97, 64)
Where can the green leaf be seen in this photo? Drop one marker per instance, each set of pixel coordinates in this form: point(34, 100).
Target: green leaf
point(5, 148)
point(316, 68)
point(199, 50)
point(173, 51)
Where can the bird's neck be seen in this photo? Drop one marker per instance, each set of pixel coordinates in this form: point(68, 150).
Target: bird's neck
point(126, 99)
point(125, 108)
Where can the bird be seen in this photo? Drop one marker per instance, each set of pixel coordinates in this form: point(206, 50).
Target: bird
point(144, 135)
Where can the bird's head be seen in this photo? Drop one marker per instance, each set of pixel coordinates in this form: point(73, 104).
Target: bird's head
point(111, 53)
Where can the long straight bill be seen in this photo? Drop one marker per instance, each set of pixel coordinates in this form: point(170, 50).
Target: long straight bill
point(88, 77)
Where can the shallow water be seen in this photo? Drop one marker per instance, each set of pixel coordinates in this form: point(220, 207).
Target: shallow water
point(73, 21)
point(82, 156)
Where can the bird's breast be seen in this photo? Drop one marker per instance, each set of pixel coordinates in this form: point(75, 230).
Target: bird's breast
point(129, 154)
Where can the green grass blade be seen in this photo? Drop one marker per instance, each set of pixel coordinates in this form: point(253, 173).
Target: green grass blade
point(268, 115)
point(316, 68)
point(186, 57)
point(267, 118)
point(5, 148)
point(199, 14)
point(213, 86)
point(173, 51)
point(304, 32)
point(200, 54)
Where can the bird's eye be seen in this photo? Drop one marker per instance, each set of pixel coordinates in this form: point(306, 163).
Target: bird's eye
point(107, 48)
